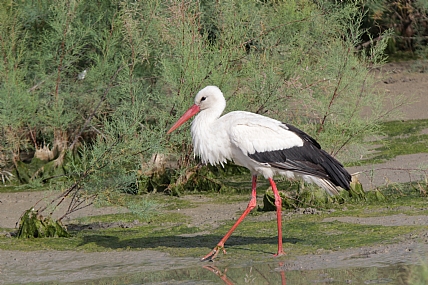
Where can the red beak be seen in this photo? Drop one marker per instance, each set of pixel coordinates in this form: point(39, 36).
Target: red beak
point(189, 113)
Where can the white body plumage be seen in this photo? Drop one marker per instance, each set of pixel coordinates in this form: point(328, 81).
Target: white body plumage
point(263, 145)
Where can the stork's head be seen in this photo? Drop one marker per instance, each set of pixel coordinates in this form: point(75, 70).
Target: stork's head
point(209, 98)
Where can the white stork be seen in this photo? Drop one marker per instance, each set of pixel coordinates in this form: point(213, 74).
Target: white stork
point(263, 145)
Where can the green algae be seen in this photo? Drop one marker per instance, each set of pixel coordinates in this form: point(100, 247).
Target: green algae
point(399, 138)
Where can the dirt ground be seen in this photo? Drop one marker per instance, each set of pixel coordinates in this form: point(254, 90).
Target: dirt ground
point(44, 266)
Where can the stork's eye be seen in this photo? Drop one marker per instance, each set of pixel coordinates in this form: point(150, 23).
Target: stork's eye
point(203, 98)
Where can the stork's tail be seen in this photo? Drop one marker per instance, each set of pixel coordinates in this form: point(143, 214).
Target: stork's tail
point(338, 175)
point(327, 185)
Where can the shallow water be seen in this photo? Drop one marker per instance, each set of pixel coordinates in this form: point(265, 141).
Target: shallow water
point(380, 264)
point(271, 273)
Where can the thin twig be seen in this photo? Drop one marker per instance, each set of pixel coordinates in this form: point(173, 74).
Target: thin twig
point(76, 209)
point(335, 94)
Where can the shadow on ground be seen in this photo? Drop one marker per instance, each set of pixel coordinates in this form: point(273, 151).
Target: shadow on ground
point(173, 241)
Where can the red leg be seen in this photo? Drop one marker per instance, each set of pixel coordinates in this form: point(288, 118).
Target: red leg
point(283, 280)
point(222, 276)
point(251, 205)
point(278, 204)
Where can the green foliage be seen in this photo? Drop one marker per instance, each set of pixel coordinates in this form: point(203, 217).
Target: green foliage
point(106, 169)
point(33, 225)
point(142, 64)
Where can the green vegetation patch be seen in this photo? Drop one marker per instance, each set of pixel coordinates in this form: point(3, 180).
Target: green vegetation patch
point(308, 234)
point(401, 138)
point(34, 225)
point(400, 128)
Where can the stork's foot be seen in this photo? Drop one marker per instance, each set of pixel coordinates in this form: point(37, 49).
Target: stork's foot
point(279, 253)
point(213, 254)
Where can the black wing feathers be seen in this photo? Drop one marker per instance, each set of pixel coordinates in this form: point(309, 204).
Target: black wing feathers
point(304, 136)
point(308, 159)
